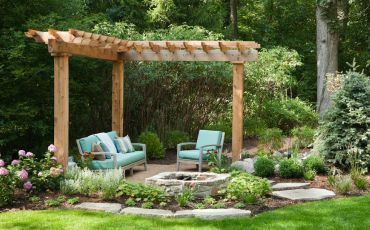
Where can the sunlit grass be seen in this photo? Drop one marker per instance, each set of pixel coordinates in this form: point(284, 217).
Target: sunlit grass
point(346, 213)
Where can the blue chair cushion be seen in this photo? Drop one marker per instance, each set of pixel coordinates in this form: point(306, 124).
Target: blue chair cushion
point(192, 154)
point(208, 137)
point(122, 160)
point(86, 143)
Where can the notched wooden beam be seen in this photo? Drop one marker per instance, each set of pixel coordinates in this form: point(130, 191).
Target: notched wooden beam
point(189, 47)
point(155, 48)
point(206, 48)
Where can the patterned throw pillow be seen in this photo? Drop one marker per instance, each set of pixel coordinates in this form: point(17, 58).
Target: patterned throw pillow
point(97, 148)
point(128, 144)
point(125, 145)
point(120, 145)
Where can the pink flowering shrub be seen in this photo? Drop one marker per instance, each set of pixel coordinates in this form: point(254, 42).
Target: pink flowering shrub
point(29, 174)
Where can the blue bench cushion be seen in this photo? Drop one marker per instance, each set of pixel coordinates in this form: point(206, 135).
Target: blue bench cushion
point(112, 135)
point(192, 154)
point(86, 143)
point(122, 160)
point(208, 137)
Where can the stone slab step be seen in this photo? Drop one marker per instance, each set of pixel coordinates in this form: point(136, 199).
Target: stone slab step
point(213, 214)
point(304, 194)
point(107, 207)
point(289, 186)
point(147, 212)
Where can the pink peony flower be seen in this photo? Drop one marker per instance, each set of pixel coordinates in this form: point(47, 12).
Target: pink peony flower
point(15, 162)
point(40, 174)
point(22, 153)
point(23, 175)
point(2, 163)
point(29, 154)
point(52, 148)
point(3, 172)
point(27, 185)
point(54, 172)
point(54, 158)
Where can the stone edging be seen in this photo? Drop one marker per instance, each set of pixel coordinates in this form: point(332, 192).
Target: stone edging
point(208, 214)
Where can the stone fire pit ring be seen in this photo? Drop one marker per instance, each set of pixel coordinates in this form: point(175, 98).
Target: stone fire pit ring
point(203, 183)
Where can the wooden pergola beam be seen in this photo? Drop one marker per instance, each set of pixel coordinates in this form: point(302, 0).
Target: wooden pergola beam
point(55, 46)
point(190, 55)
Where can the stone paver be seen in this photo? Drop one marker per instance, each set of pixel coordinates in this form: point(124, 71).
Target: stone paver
point(289, 186)
point(213, 214)
point(304, 194)
point(147, 212)
point(108, 207)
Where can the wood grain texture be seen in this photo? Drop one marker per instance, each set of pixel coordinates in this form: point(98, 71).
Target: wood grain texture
point(117, 97)
point(237, 125)
point(61, 108)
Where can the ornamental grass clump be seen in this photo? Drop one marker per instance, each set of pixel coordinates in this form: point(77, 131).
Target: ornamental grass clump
point(86, 182)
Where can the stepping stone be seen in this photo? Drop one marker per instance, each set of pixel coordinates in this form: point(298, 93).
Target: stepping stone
point(289, 186)
point(213, 214)
point(271, 181)
point(147, 212)
point(304, 194)
point(107, 207)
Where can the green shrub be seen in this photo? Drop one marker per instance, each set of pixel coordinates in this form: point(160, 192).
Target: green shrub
point(130, 202)
point(141, 192)
point(245, 187)
point(315, 163)
point(52, 203)
point(162, 204)
point(272, 139)
point(184, 197)
point(73, 201)
point(34, 199)
point(154, 147)
point(264, 167)
point(218, 205)
point(208, 200)
point(344, 130)
point(199, 206)
point(61, 199)
point(253, 126)
point(175, 137)
point(342, 183)
point(289, 113)
point(358, 179)
point(290, 168)
point(239, 205)
point(147, 205)
point(303, 136)
point(309, 174)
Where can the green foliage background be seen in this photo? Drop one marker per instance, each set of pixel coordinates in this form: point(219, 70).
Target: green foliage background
point(163, 96)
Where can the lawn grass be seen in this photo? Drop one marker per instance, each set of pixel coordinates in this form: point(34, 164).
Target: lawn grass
point(345, 213)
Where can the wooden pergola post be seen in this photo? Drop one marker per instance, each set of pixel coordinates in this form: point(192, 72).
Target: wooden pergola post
point(237, 125)
point(117, 96)
point(61, 107)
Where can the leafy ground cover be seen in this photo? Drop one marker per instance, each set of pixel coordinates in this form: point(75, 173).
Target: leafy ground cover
point(344, 213)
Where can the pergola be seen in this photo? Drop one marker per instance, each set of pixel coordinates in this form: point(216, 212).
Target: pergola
point(63, 44)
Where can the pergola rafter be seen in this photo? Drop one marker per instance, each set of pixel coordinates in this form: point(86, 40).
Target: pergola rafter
point(62, 44)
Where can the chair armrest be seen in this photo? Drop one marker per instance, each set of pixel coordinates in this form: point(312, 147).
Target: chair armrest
point(218, 146)
point(143, 146)
point(185, 143)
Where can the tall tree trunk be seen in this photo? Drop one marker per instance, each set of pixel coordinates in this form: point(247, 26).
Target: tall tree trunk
point(234, 18)
point(327, 41)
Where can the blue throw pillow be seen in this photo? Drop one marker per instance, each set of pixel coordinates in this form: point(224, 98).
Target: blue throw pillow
point(105, 149)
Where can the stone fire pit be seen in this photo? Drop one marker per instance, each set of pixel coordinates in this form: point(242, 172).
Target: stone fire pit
point(204, 184)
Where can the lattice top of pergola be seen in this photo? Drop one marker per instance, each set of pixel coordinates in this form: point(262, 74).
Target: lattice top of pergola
point(81, 43)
